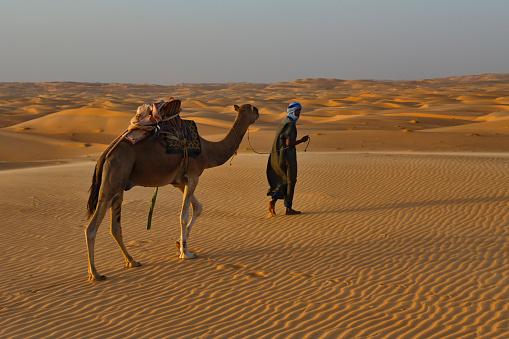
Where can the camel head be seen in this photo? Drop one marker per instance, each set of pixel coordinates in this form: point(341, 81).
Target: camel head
point(249, 111)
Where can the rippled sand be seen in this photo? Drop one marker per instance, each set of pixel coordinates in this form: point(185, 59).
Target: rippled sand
point(404, 231)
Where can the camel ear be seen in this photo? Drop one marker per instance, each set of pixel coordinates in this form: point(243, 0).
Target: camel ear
point(236, 107)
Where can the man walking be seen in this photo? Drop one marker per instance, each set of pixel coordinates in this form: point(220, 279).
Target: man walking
point(282, 164)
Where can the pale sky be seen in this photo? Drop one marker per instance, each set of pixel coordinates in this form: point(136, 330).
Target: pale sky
point(263, 41)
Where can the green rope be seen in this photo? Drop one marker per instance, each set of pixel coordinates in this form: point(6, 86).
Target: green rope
point(149, 222)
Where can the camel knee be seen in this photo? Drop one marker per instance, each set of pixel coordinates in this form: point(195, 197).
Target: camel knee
point(197, 208)
point(116, 232)
point(91, 232)
point(91, 241)
point(184, 217)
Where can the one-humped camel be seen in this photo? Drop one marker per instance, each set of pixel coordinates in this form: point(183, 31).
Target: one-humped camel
point(146, 163)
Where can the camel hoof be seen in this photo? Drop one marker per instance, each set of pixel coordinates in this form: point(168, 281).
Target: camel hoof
point(188, 256)
point(96, 277)
point(132, 264)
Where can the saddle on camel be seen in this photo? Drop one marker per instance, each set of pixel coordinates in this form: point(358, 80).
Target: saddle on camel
point(162, 120)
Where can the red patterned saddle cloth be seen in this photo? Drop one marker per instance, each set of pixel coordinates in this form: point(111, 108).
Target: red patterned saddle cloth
point(148, 117)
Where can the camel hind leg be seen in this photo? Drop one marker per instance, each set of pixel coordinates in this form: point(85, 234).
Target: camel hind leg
point(116, 231)
point(91, 233)
point(115, 173)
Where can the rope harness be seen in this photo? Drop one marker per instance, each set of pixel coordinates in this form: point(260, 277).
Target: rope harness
point(252, 149)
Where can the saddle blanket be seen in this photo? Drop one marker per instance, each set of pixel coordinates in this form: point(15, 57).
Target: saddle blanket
point(181, 136)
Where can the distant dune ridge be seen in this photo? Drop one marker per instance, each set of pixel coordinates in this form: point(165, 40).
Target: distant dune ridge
point(469, 113)
point(404, 190)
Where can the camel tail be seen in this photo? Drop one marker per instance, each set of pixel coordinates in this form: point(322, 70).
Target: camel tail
point(93, 196)
point(96, 185)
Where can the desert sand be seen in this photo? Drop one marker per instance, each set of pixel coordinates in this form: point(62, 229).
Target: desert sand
point(404, 189)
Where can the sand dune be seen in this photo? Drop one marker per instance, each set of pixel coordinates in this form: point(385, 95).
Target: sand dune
point(329, 105)
point(93, 125)
point(404, 231)
point(497, 127)
point(22, 147)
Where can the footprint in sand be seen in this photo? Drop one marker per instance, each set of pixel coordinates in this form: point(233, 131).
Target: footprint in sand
point(136, 243)
point(337, 281)
point(258, 274)
point(230, 266)
point(237, 266)
point(302, 275)
point(249, 275)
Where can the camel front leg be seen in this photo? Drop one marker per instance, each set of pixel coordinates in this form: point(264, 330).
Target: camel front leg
point(116, 231)
point(197, 208)
point(184, 218)
point(91, 232)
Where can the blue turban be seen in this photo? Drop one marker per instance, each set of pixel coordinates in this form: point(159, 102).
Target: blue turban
point(291, 110)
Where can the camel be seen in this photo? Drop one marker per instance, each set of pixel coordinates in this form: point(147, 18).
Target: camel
point(124, 165)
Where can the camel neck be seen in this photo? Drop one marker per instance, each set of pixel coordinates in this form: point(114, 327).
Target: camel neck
point(217, 153)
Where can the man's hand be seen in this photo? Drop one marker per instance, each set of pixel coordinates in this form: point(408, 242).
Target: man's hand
point(290, 142)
